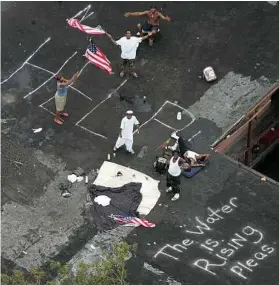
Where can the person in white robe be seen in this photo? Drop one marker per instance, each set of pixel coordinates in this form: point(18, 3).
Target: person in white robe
point(126, 136)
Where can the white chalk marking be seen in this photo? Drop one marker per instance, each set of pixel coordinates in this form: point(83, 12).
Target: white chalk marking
point(154, 115)
point(26, 61)
point(167, 126)
point(158, 272)
point(189, 113)
point(161, 108)
point(196, 134)
point(46, 101)
point(91, 132)
point(71, 86)
point(47, 110)
point(30, 93)
point(36, 66)
point(108, 97)
point(81, 11)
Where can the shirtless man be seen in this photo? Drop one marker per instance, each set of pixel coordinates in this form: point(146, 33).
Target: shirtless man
point(153, 21)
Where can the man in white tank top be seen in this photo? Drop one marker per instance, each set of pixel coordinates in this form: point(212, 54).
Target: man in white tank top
point(174, 173)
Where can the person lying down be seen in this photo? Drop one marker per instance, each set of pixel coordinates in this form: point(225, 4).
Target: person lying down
point(191, 157)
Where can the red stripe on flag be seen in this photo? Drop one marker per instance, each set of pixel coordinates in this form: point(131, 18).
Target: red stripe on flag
point(74, 23)
point(98, 61)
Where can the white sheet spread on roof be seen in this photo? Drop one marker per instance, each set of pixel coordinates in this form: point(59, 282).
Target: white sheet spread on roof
point(150, 193)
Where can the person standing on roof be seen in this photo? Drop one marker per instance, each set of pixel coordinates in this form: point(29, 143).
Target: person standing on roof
point(129, 46)
point(174, 174)
point(61, 96)
point(152, 23)
point(126, 135)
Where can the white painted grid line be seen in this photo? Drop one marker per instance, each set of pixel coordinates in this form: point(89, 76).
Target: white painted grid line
point(30, 93)
point(71, 86)
point(165, 125)
point(178, 106)
point(91, 132)
point(196, 134)
point(26, 61)
point(154, 115)
point(160, 109)
point(189, 113)
point(109, 96)
point(47, 101)
point(47, 110)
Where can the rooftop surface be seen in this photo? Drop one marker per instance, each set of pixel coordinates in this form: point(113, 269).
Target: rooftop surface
point(239, 39)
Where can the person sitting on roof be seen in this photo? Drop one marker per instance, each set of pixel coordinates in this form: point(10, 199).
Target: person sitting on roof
point(153, 21)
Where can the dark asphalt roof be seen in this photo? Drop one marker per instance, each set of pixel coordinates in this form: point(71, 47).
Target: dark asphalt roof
point(229, 36)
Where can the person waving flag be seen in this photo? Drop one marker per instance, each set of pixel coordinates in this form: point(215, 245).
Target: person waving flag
point(97, 57)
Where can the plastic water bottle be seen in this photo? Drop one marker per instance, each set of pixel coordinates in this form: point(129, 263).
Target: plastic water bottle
point(179, 116)
point(108, 156)
point(86, 179)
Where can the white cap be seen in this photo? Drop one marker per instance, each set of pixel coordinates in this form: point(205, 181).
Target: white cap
point(129, 112)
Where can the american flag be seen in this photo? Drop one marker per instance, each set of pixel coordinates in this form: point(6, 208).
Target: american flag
point(132, 221)
point(74, 23)
point(96, 57)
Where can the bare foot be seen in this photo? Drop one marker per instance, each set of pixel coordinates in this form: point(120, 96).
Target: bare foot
point(65, 114)
point(57, 121)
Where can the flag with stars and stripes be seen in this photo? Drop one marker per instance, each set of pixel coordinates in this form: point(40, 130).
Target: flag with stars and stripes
point(74, 23)
point(97, 57)
point(129, 220)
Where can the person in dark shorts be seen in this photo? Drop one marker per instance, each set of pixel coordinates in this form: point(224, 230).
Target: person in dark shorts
point(152, 23)
point(174, 174)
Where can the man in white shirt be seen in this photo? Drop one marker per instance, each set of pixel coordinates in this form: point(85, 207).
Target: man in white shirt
point(127, 132)
point(129, 46)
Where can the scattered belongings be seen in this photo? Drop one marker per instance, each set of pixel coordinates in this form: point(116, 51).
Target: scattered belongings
point(37, 130)
point(102, 200)
point(263, 179)
point(179, 116)
point(209, 74)
point(66, 194)
point(79, 179)
point(73, 178)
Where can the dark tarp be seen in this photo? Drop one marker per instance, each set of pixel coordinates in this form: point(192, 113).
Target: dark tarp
point(125, 201)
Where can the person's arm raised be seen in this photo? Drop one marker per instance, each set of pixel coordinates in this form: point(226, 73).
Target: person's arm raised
point(136, 14)
point(69, 82)
point(112, 39)
point(165, 18)
point(147, 36)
